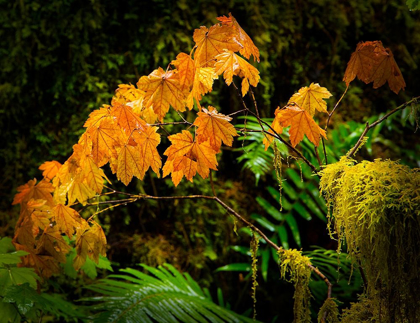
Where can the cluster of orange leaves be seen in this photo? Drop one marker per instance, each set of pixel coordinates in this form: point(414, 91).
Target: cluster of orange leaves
point(124, 134)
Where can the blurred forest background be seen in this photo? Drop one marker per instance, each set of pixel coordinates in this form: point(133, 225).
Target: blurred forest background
point(60, 60)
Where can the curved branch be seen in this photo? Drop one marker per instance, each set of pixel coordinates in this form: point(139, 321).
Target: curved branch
point(370, 126)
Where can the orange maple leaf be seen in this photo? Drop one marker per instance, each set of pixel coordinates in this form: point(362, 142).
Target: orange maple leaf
point(371, 62)
point(163, 89)
point(301, 123)
point(229, 64)
point(51, 243)
point(50, 169)
point(135, 159)
point(44, 265)
point(387, 70)
point(127, 119)
point(186, 70)
point(211, 42)
point(31, 190)
point(187, 157)
point(311, 98)
point(215, 127)
point(248, 47)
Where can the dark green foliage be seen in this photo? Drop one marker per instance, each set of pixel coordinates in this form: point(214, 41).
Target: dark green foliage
point(168, 297)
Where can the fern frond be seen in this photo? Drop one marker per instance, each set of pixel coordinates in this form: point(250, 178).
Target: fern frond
point(168, 297)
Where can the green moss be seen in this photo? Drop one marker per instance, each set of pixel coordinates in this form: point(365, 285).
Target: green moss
point(376, 213)
point(329, 312)
point(294, 268)
point(254, 251)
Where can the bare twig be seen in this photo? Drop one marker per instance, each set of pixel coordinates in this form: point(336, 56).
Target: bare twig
point(368, 126)
point(335, 107)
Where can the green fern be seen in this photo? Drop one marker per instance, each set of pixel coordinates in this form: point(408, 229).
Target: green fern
point(168, 297)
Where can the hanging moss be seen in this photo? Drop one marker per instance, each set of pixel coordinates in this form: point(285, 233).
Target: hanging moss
point(254, 250)
point(294, 268)
point(277, 166)
point(361, 312)
point(376, 213)
point(329, 312)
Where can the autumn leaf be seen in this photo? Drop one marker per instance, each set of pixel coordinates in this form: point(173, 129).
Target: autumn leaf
point(215, 127)
point(229, 64)
point(135, 159)
point(67, 220)
point(44, 265)
point(203, 84)
point(90, 242)
point(211, 42)
point(186, 70)
point(51, 243)
point(248, 47)
point(301, 123)
point(371, 62)
point(50, 169)
point(187, 157)
point(40, 215)
point(311, 98)
point(387, 70)
point(31, 190)
point(163, 89)
point(127, 119)
point(127, 93)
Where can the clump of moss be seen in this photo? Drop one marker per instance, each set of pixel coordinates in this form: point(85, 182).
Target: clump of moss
point(376, 213)
point(328, 312)
point(254, 251)
point(294, 268)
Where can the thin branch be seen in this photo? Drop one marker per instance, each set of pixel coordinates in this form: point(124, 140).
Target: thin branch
point(135, 198)
point(170, 123)
point(325, 151)
point(335, 107)
point(368, 127)
point(236, 112)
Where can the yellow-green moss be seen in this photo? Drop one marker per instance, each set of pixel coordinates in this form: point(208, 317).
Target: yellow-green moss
point(277, 166)
point(376, 213)
point(294, 268)
point(254, 250)
point(329, 312)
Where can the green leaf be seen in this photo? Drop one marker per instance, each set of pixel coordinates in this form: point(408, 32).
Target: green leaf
point(16, 276)
point(300, 209)
point(270, 209)
point(235, 267)
point(294, 228)
point(12, 258)
point(283, 236)
point(6, 245)
point(413, 4)
point(24, 296)
point(265, 259)
point(169, 297)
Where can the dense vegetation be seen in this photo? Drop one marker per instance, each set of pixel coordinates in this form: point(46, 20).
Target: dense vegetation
point(64, 59)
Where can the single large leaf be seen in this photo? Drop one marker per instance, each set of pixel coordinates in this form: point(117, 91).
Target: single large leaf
point(215, 127)
point(170, 297)
point(311, 98)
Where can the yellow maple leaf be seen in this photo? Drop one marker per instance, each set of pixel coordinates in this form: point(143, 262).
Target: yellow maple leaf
point(127, 93)
point(67, 220)
point(215, 127)
point(311, 98)
point(301, 123)
point(187, 157)
point(203, 83)
point(230, 64)
point(211, 42)
point(248, 47)
point(163, 89)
